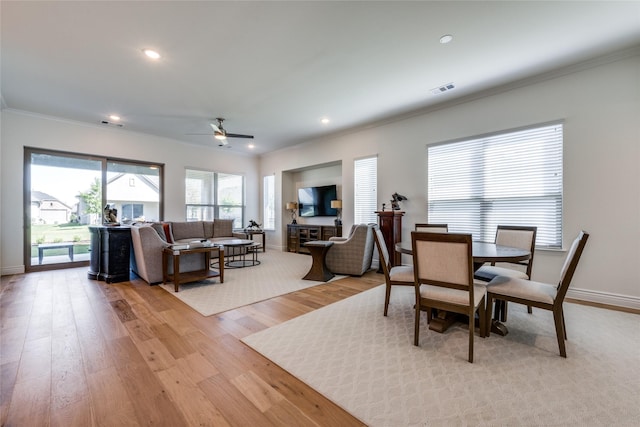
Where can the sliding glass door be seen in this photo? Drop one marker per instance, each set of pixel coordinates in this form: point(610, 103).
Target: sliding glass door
point(65, 193)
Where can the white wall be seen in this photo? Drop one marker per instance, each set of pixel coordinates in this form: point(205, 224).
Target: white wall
point(601, 109)
point(21, 129)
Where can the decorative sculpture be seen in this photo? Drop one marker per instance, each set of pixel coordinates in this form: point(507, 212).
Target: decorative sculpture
point(253, 225)
point(395, 201)
point(110, 215)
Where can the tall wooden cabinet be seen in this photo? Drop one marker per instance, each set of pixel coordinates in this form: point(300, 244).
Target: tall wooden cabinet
point(110, 252)
point(299, 234)
point(390, 223)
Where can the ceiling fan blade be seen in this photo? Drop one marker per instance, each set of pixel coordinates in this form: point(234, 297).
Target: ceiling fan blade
point(215, 128)
point(237, 135)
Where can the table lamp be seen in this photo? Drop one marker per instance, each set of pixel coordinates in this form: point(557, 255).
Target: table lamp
point(337, 205)
point(293, 207)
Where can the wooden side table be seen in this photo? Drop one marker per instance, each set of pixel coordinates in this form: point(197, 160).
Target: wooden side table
point(319, 270)
point(192, 276)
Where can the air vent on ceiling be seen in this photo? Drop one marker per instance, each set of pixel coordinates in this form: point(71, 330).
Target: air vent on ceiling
point(443, 88)
point(118, 125)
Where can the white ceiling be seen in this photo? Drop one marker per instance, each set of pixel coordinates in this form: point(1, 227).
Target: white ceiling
point(274, 69)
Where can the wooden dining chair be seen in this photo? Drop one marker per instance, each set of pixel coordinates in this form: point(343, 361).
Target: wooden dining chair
point(443, 279)
point(518, 237)
point(432, 228)
point(401, 275)
point(541, 295)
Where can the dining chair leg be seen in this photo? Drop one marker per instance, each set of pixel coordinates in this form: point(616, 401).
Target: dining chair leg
point(557, 319)
point(471, 333)
point(387, 296)
point(503, 311)
point(564, 326)
point(488, 317)
point(416, 329)
point(529, 309)
point(483, 321)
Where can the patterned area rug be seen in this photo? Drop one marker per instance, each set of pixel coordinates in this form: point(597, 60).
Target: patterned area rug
point(367, 364)
point(278, 273)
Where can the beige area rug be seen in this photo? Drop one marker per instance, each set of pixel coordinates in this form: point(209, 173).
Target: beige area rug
point(279, 273)
point(367, 364)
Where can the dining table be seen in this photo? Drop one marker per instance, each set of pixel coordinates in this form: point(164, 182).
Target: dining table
point(482, 252)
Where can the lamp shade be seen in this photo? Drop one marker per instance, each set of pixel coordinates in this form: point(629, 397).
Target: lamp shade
point(336, 204)
point(291, 205)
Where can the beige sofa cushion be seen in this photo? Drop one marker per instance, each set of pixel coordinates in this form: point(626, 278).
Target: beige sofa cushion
point(208, 229)
point(187, 231)
point(222, 227)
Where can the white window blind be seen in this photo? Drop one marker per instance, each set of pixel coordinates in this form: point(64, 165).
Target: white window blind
point(365, 187)
point(510, 178)
point(269, 202)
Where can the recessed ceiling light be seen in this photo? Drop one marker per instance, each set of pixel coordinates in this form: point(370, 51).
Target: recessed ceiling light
point(251, 146)
point(324, 120)
point(151, 53)
point(114, 117)
point(446, 38)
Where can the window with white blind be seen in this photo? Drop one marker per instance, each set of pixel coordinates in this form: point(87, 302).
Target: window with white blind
point(269, 202)
point(508, 178)
point(365, 190)
point(210, 195)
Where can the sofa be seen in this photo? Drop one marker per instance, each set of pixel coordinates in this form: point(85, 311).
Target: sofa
point(148, 240)
point(352, 255)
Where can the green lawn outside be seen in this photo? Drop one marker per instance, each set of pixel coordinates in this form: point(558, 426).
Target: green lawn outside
point(50, 233)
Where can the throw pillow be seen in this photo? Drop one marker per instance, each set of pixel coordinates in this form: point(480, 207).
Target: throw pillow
point(160, 230)
point(166, 227)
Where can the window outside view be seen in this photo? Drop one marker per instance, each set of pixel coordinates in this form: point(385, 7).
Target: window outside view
point(66, 198)
point(210, 195)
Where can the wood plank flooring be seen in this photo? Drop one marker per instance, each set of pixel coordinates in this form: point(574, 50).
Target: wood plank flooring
point(79, 352)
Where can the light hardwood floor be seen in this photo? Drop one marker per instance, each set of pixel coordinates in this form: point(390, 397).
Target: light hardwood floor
point(79, 352)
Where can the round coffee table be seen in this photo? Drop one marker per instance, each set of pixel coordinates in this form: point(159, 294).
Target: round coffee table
point(239, 260)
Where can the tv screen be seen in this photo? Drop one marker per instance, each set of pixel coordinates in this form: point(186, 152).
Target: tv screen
point(316, 201)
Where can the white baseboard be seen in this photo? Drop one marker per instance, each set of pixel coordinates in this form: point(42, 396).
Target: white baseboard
point(7, 271)
point(604, 298)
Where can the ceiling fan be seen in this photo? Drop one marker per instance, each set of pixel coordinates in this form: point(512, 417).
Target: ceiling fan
point(221, 134)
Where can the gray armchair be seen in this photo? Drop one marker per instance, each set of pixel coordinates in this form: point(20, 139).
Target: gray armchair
point(353, 254)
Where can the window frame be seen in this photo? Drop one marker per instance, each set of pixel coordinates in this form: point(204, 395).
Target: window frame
point(215, 206)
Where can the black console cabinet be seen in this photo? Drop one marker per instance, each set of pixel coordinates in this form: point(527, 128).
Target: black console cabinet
point(110, 251)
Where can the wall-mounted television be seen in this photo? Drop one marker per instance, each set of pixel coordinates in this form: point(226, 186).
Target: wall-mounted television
point(316, 201)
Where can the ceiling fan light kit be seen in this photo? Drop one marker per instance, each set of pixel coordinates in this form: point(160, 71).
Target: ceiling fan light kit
point(221, 134)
